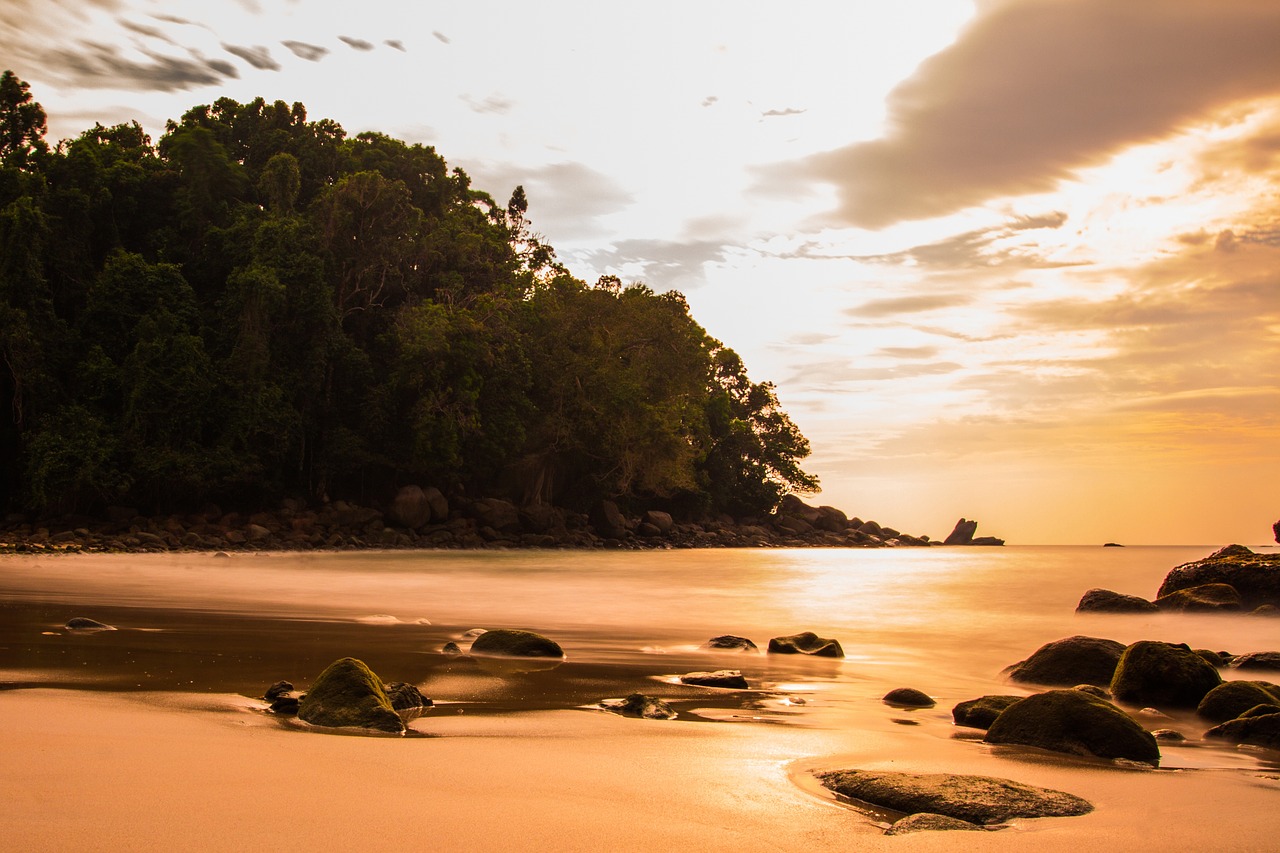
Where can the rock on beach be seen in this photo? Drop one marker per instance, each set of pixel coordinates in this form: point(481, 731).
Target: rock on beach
point(349, 694)
point(806, 643)
point(1075, 723)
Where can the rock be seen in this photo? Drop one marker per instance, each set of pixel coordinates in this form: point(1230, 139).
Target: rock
point(506, 642)
point(349, 694)
point(728, 642)
point(639, 705)
point(278, 689)
point(662, 521)
point(926, 822)
point(962, 533)
point(1265, 610)
point(256, 533)
point(1275, 530)
point(406, 699)
point(1230, 699)
point(87, 625)
point(1214, 659)
point(1168, 735)
point(1075, 723)
point(986, 540)
point(1163, 674)
point(451, 648)
point(980, 713)
point(410, 508)
point(1093, 690)
point(1107, 601)
point(1256, 577)
point(1112, 545)
point(286, 705)
point(720, 678)
point(831, 520)
point(1258, 730)
point(499, 515)
point(1070, 661)
point(609, 521)
point(976, 799)
point(1206, 598)
point(908, 697)
point(806, 643)
point(1257, 660)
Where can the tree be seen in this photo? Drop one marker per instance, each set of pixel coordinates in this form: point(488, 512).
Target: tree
point(22, 122)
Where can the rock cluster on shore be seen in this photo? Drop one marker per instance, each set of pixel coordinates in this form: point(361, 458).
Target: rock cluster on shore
point(424, 518)
point(1233, 579)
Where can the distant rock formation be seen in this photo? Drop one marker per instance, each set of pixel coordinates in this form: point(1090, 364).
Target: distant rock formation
point(1275, 528)
point(963, 535)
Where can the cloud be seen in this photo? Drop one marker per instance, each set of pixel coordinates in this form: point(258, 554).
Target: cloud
point(303, 50)
point(101, 66)
point(1033, 91)
point(441, 37)
point(566, 200)
point(661, 263)
point(790, 111)
point(355, 43)
point(259, 57)
point(493, 104)
point(143, 30)
point(895, 305)
point(830, 375)
point(395, 44)
point(710, 100)
point(908, 352)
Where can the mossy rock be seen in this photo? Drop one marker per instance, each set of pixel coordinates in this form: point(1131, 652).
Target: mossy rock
point(511, 643)
point(640, 705)
point(1256, 577)
point(975, 799)
point(1206, 598)
point(1257, 660)
point(1070, 661)
point(927, 822)
point(1257, 730)
point(729, 643)
point(349, 694)
point(728, 678)
point(1109, 601)
point(1230, 699)
point(1075, 723)
point(1163, 675)
point(909, 697)
point(980, 713)
point(806, 643)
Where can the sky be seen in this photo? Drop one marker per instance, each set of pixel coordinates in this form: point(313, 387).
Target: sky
point(1011, 260)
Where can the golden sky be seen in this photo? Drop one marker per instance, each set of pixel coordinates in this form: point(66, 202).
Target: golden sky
point(1016, 260)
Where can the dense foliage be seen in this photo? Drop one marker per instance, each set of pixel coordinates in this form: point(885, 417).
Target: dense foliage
point(258, 306)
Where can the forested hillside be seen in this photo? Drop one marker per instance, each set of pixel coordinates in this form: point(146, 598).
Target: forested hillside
point(259, 306)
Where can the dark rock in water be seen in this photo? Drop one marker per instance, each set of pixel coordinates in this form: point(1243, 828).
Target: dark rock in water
point(720, 678)
point(1112, 545)
point(1214, 659)
point(639, 705)
point(728, 642)
point(406, 699)
point(1168, 735)
point(806, 643)
point(962, 533)
point(278, 689)
point(1093, 690)
point(1262, 710)
point(1107, 601)
point(1256, 577)
point(1070, 661)
point(976, 799)
point(908, 697)
point(506, 642)
point(349, 694)
point(986, 540)
point(1075, 723)
point(1164, 675)
point(286, 705)
point(1261, 730)
point(980, 713)
point(1257, 660)
point(1230, 699)
point(83, 623)
point(1206, 598)
point(451, 648)
point(926, 822)
point(1275, 530)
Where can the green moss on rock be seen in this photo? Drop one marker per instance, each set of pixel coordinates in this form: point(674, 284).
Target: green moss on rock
point(1164, 675)
point(1075, 723)
point(508, 642)
point(1232, 698)
point(349, 694)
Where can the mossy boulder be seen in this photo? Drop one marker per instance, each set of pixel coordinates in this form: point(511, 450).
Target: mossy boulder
point(1075, 723)
point(980, 713)
point(1206, 598)
point(1164, 675)
point(1070, 661)
point(1256, 729)
point(1257, 660)
point(806, 643)
point(1230, 699)
point(909, 697)
point(1107, 601)
point(1256, 577)
point(510, 643)
point(349, 694)
point(975, 799)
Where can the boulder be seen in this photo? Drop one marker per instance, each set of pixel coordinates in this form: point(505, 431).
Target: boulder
point(406, 699)
point(986, 540)
point(908, 697)
point(498, 514)
point(962, 533)
point(731, 678)
point(662, 521)
point(1256, 577)
point(451, 648)
point(410, 508)
point(1075, 723)
point(639, 705)
point(608, 521)
point(832, 520)
point(1230, 699)
point(806, 643)
point(926, 822)
point(1107, 601)
point(506, 642)
point(792, 507)
point(1093, 690)
point(1070, 661)
point(1164, 675)
point(1256, 729)
point(980, 713)
point(349, 694)
point(1206, 598)
point(1256, 660)
point(87, 625)
point(976, 799)
point(278, 689)
point(729, 642)
point(286, 704)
